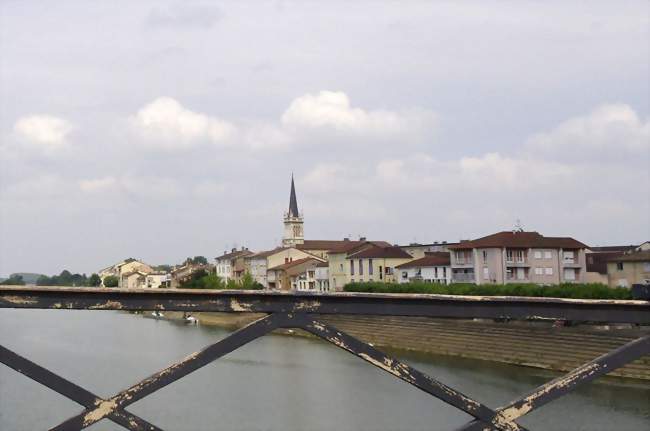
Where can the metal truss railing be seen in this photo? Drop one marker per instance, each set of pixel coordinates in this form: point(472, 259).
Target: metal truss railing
point(300, 310)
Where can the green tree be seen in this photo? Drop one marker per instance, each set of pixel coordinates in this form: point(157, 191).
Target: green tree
point(43, 280)
point(14, 280)
point(111, 281)
point(94, 280)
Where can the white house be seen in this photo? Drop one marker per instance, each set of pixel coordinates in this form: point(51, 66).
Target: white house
point(226, 263)
point(434, 267)
point(322, 275)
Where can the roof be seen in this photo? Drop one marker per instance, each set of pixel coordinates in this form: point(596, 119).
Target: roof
point(597, 262)
point(639, 256)
point(381, 252)
point(322, 264)
point(293, 202)
point(613, 248)
point(439, 258)
point(519, 239)
point(293, 263)
point(234, 254)
point(266, 253)
point(435, 244)
point(336, 246)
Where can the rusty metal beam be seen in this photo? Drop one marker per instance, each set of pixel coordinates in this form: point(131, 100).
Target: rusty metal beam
point(402, 371)
point(561, 386)
point(636, 312)
point(174, 372)
point(70, 390)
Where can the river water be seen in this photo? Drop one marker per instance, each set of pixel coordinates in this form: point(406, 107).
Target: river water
point(277, 382)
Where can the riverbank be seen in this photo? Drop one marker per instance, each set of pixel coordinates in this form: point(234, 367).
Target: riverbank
point(529, 344)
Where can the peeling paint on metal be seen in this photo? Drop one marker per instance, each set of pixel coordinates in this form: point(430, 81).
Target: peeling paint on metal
point(104, 408)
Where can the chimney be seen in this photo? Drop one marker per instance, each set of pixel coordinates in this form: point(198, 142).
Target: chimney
point(362, 238)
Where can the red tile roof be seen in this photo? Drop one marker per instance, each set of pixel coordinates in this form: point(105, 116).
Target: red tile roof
point(293, 263)
point(335, 246)
point(519, 239)
point(440, 258)
point(638, 256)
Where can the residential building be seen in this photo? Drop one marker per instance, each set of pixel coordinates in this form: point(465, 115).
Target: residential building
point(433, 267)
point(231, 265)
point(281, 256)
point(373, 262)
point(183, 273)
point(628, 269)
point(322, 277)
point(297, 274)
point(518, 257)
point(597, 258)
point(157, 280)
point(132, 280)
point(121, 269)
point(419, 250)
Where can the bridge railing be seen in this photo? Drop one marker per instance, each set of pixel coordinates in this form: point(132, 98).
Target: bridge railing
point(301, 310)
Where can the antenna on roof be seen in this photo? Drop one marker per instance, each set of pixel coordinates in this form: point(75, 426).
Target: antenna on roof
point(518, 226)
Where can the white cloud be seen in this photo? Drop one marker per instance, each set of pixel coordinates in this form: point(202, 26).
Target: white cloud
point(332, 109)
point(608, 129)
point(166, 124)
point(98, 184)
point(129, 186)
point(45, 132)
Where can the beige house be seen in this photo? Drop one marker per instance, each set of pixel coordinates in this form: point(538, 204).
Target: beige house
point(297, 274)
point(629, 269)
point(518, 257)
point(126, 270)
point(232, 265)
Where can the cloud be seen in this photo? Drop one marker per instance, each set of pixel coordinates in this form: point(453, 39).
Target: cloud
point(45, 132)
point(98, 184)
point(332, 109)
point(130, 186)
point(166, 124)
point(184, 16)
point(609, 129)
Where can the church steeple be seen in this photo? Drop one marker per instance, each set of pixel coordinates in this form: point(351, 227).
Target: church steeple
point(293, 222)
point(293, 202)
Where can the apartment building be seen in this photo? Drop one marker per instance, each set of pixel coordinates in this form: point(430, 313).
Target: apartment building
point(628, 269)
point(518, 257)
point(231, 265)
point(433, 267)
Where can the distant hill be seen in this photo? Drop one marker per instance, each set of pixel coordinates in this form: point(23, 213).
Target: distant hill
point(28, 277)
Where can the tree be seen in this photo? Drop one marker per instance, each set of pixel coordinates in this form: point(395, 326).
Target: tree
point(111, 281)
point(196, 260)
point(14, 280)
point(94, 280)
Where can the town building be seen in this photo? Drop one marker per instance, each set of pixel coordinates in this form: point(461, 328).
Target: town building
point(231, 265)
point(433, 267)
point(322, 277)
point(417, 250)
point(184, 273)
point(518, 257)
point(126, 271)
point(628, 269)
point(157, 280)
point(597, 258)
point(297, 274)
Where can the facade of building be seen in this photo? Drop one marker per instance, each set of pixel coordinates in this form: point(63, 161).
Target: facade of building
point(231, 265)
point(374, 263)
point(433, 267)
point(157, 280)
point(518, 257)
point(125, 269)
point(183, 273)
point(297, 274)
point(322, 277)
point(628, 269)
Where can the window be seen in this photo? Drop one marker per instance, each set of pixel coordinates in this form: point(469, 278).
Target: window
point(404, 275)
point(539, 271)
point(484, 257)
point(360, 266)
point(509, 257)
point(520, 256)
point(389, 270)
point(381, 274)
point(548, 271)
point(341, 265)
point(646, 266)
point(418, 272)
point(569, 274)
point(538, 254)
point(435, 271)
point(568, 256)
point(370, 268)
point(444, 271)
point(311, 274)
point(351, 267)
point(486, 273)
point(619, 266)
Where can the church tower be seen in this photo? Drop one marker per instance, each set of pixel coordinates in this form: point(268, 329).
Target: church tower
point(293, 230)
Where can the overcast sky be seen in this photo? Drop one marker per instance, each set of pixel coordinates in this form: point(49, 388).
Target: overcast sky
point(160, 130)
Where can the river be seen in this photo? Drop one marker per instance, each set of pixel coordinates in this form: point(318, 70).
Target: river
point(277, 382)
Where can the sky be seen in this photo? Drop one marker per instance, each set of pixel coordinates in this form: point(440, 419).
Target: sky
point(166, 129)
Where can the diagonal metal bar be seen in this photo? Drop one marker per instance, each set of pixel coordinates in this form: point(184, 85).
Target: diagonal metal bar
point(70, 390)
point(175, 371)
point(563, 385)
point(408, 374)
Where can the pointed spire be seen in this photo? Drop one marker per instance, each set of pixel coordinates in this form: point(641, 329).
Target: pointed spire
point(293, 202)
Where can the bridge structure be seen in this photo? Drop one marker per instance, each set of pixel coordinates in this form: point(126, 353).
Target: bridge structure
point(301, 310)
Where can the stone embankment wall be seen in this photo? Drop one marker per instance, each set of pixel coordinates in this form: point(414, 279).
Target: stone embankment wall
point(521, 343)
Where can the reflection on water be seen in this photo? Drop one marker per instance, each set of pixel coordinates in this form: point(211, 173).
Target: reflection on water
point(274, 383)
